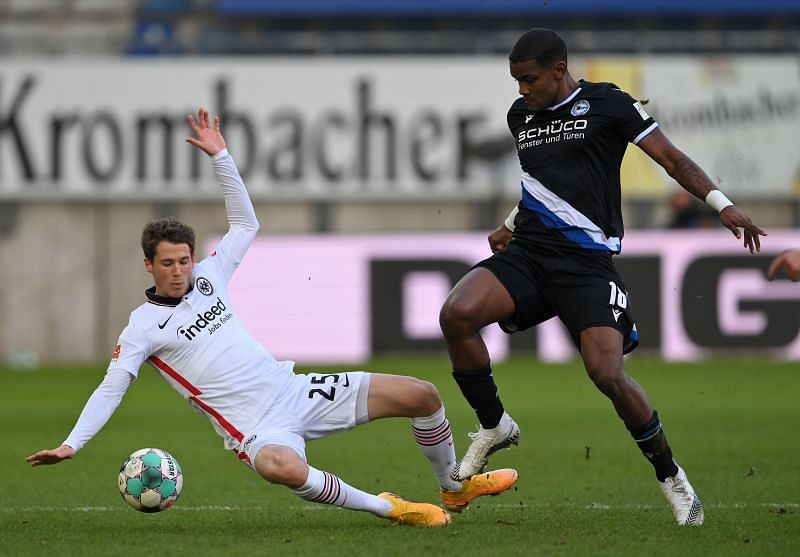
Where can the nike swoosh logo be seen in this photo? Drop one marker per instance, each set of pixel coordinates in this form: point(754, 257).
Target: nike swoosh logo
point(164, 324)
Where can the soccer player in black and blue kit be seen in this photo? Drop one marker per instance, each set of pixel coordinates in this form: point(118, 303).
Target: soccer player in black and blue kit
point(553, 255)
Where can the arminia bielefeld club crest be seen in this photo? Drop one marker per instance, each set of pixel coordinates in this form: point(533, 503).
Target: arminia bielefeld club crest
point(580, 108)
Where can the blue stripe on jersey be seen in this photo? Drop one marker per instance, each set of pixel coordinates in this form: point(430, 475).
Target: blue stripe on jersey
point(557, 214)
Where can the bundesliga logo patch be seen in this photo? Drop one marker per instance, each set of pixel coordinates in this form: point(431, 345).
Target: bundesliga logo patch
point(641, 110)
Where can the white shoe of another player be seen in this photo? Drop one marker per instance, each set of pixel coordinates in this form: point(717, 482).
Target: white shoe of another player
point(484, 443)
point(686, 505)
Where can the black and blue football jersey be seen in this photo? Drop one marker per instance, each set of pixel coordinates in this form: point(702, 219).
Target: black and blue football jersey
point(570, 156)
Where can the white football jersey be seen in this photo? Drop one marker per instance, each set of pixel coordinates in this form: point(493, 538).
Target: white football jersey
point(197, 342)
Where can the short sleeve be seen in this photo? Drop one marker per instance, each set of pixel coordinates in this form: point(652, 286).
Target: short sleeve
point(630, 117)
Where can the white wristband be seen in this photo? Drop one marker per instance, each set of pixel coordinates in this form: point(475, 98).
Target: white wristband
point(717, 200)
point(510, 218)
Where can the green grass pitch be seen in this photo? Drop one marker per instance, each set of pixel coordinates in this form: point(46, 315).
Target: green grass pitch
point(584, 488)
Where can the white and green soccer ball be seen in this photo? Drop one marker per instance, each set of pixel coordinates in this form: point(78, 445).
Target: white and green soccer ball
point(150, 480)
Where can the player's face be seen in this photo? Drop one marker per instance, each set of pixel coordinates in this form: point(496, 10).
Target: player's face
point(541, 87)
point(171, 268)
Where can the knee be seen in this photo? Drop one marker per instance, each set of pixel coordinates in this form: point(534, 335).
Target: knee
point(604, 365)
point(281, 465)
point(428, 399)
point(456, 316)
point(609, 379)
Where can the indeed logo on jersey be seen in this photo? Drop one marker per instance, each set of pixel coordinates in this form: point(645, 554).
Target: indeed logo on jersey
point(207, 321)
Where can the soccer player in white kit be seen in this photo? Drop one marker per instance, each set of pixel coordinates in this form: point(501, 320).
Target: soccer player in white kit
point(189, 332)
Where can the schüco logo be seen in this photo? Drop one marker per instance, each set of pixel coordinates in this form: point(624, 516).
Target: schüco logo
point(553, 128)
point(210, 321)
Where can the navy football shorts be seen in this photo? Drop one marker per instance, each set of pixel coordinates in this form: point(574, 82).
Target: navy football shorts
point(582, 288)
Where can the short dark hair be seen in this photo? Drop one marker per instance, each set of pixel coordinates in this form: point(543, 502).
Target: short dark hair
point(169, 230)
point(544, 46)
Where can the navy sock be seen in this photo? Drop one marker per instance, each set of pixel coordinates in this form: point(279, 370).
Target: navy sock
point(479, 389)
point(653, 444)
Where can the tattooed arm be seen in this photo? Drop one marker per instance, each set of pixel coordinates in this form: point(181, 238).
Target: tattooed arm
point(692, 178)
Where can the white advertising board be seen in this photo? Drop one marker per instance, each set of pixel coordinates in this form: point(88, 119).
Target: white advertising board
point(299, 128)
point(737, 117)
point(363, 128)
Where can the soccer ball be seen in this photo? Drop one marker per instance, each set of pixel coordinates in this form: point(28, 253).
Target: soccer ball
point(150, 480)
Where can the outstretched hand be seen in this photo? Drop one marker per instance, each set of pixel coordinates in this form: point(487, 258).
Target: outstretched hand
point(209, 139)
point(499, 238)
point(52, 456)
point(788, 262)
point(733, 219)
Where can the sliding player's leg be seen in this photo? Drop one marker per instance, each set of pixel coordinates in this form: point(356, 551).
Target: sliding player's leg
point(401, 396)
point(282, 465)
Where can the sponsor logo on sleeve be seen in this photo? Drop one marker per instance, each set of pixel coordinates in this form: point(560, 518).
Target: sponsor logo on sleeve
point(641, 110)
point(115, 354)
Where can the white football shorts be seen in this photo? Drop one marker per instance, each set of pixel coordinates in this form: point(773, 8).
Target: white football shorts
point(309, 406)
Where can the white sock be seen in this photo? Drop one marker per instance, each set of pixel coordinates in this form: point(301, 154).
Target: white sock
point(324, 487)
point(432, 434)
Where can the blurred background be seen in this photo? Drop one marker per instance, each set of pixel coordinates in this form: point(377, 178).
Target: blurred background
point(372, 137)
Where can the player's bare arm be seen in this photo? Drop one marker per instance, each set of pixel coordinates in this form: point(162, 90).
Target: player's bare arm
point(788, 262)
point(208, 138)
point(501, 236)
point(51, 456)
point(693, 179)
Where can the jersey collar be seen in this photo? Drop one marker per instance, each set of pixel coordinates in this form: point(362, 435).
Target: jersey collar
point(565, 101)
point(154, 298)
